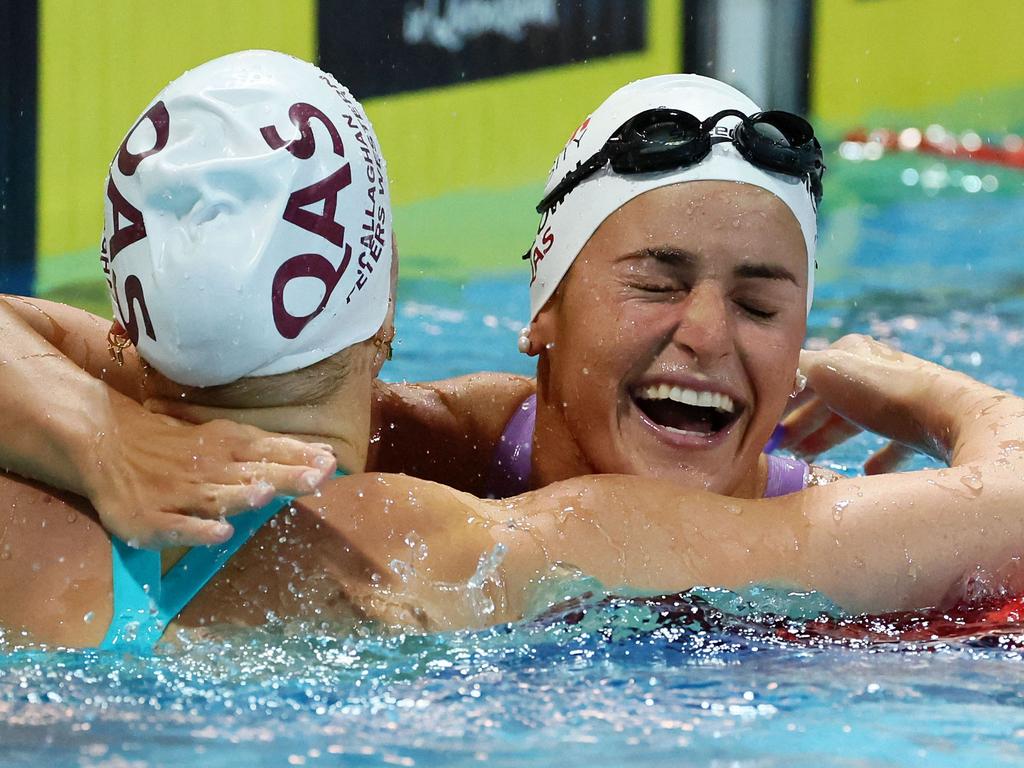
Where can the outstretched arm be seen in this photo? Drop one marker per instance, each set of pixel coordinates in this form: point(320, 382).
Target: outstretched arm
point(71, 419)
point(872, 544)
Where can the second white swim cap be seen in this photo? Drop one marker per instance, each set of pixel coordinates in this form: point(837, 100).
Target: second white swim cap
point(247, 222)
point(564, 231)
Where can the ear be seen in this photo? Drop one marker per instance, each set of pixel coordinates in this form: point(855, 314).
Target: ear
point(543, 328)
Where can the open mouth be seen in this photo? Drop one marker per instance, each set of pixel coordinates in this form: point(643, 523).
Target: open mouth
point(686, 410)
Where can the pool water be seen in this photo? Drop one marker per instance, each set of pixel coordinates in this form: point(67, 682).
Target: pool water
point(707, 678)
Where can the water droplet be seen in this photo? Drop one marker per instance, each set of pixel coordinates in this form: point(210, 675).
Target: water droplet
point(405, 571)
point(973, 482)
point(837, 509)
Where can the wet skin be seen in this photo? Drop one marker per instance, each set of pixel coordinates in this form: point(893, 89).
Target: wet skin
point(700, 286)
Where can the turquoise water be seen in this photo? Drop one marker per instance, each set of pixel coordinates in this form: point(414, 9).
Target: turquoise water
point(708, 678)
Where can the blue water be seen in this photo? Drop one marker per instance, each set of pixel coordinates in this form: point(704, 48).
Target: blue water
point(702, 679)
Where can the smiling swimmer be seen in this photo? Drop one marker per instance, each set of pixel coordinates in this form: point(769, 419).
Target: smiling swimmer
point(676, 186)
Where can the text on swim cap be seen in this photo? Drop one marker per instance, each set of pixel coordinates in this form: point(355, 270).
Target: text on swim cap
point(376, 212)
point(123, 236)
point(542, 246)
point(321, 224)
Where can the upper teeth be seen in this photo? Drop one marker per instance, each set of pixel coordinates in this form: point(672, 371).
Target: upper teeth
point(688, 397)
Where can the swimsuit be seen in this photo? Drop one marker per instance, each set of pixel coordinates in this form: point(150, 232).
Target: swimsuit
point(145, 603)
point(510, 470)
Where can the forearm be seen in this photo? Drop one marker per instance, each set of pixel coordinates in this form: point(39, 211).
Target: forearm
point(53, 410)
point(873, 544)
point(910, 540)
point(984, 423)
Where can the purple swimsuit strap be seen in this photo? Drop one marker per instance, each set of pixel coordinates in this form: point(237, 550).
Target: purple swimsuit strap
point(511, 466)
point(785, 475)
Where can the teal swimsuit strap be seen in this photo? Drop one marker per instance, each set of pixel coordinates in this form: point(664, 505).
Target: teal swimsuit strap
point(144, 604)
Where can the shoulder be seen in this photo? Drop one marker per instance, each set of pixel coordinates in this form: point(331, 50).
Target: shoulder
point(475, 396)
point(445, 430)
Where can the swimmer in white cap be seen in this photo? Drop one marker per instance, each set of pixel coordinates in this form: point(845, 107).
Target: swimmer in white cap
point(672, 274)
point(669, 270)
point(248, 250)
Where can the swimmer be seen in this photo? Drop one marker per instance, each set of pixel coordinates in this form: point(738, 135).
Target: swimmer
point(230, 286)
point(671, 305)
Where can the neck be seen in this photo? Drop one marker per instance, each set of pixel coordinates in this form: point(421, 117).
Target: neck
point(556, 454)
point(340, 418)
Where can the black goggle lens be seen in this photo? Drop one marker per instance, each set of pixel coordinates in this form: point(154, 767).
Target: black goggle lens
point(665, 127)
point(657, 140)
point(782, 129)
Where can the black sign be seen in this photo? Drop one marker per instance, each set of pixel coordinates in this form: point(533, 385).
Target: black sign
point(376, 47)
point(18, 56)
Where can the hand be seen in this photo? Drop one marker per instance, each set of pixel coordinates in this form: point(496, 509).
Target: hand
point(158, 481)
point(859, 383)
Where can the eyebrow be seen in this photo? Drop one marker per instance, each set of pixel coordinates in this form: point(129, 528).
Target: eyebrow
point(765, 271)
point(664, 254)
point(679, 258)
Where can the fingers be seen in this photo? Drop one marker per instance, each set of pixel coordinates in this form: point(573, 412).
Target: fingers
point(287, 450)
point(814, 428)
point(174, 530)
point(170, 529)
point(287, 479)
point(228, 500)
point(888, 459)
point(804, 421)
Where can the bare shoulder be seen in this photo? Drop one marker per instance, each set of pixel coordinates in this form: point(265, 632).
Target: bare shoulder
point(401, 549)
point(447, 430)
point(485, 399)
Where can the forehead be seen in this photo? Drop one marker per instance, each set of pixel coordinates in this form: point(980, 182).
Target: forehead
point(723, 219)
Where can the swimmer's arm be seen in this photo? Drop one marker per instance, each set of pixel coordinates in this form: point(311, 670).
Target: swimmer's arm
point(875, 544)
point(65, 425)
point(445, 431)
point(53, 409)
point(423, 556)
point(46, 327)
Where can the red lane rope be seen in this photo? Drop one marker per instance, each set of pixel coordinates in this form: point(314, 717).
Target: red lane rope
point(936, 140)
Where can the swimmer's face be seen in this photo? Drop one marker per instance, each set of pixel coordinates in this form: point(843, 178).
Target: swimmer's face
point(693, 292)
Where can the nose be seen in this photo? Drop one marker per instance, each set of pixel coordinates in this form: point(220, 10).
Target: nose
point(703, 323)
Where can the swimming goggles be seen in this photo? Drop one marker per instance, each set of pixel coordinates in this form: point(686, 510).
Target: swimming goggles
point(665, 139)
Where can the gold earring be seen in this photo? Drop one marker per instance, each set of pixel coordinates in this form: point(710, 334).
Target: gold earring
point(117, 342)
point(385, 344)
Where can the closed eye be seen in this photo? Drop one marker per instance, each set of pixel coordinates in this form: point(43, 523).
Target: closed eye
point(757, 312)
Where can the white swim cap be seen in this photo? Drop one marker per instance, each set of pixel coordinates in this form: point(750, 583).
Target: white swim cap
point(564, 231)
point(247, 222)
